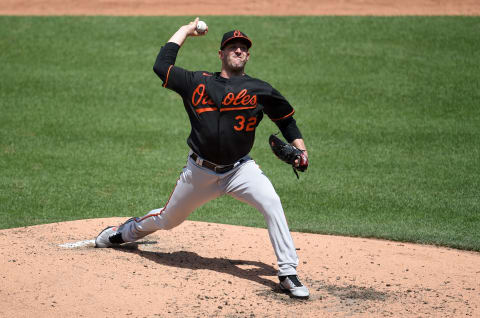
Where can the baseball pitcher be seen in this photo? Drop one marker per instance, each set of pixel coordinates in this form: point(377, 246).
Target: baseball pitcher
point(224, 109)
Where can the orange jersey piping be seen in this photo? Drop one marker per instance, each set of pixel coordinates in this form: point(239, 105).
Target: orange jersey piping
point(168, 74)
point(276, 119)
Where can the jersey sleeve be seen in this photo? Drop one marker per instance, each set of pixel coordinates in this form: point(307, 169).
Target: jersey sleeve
point(179, 80)
point(173, 77)
point(276, 106)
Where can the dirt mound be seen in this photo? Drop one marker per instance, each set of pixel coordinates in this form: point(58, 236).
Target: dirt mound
point(209, 270)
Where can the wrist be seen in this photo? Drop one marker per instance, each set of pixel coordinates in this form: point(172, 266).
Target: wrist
point(186, 30)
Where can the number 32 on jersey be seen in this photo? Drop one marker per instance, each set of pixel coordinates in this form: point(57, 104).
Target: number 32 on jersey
point(245, 124)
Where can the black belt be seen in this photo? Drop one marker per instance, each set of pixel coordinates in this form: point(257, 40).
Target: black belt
point(214, 167)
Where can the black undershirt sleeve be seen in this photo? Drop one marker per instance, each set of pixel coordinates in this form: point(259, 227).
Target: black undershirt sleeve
point(289, 129)
point(165, 58)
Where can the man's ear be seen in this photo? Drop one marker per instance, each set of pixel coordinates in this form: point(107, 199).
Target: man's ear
point(220, 54)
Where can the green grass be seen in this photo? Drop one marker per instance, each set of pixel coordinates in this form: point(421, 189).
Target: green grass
point(389, 108)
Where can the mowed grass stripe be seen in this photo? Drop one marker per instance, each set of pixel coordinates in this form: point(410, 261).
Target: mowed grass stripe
point(388, 107)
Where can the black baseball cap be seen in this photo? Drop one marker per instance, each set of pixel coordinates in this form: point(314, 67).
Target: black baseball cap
point(235, 35)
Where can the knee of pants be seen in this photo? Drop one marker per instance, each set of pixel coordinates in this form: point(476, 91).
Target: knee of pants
point(169, 222)
point(270, 203)
point(170, 225)
point(156, 222)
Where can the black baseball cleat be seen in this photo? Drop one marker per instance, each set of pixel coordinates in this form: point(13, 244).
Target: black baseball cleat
point(109, 237)
point(291, 285)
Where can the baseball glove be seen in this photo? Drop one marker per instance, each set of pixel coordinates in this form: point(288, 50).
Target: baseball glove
point(289, 154)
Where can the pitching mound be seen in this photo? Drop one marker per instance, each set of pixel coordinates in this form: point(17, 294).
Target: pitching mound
point(209, 270)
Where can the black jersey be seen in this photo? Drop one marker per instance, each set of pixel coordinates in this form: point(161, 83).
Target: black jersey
point(223, 113)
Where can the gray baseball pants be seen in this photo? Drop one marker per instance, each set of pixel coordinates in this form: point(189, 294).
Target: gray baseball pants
point(198, 185)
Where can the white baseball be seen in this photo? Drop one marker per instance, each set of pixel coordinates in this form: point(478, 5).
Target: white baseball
point(201, 27)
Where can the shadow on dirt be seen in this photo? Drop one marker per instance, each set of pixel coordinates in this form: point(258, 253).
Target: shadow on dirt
point(190, 260)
